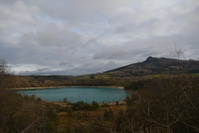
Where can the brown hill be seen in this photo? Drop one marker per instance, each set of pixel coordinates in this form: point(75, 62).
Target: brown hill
point(152, 66)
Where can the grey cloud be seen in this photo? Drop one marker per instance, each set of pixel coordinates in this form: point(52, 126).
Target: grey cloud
point(88, 68)
point(66, 64)
point(78, 37)
point(63, 63)
point(42, 71)
point(112, 53)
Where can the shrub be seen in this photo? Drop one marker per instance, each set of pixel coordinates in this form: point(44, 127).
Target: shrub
point(164, 105)
point(95, 105)
point(108, 114)
point(81, 106)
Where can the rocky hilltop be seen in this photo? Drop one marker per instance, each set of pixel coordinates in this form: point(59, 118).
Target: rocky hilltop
point(152, 66)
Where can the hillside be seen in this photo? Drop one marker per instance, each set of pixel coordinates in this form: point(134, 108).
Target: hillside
point(115, 77)
point(152, 66)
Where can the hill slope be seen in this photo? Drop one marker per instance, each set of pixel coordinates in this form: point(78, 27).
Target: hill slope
point(153, 66)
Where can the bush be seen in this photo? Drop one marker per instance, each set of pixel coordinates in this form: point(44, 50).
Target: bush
point(108, 114)
point(20, 114)
point(95, 105)
point(65, 100)
point(164, 105)
point(69, 110)
point(81, 106)
point(85, 106)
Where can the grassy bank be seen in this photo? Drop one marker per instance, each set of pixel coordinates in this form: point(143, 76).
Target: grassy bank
point(52, 87)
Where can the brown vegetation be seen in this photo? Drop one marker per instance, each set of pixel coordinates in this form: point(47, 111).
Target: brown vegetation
point(50, 81)
point(164, 105)
point(17, 113)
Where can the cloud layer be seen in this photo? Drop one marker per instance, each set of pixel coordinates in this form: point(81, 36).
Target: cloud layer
point(77, 37)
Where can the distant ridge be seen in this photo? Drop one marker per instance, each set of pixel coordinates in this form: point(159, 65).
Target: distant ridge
point(154, 65)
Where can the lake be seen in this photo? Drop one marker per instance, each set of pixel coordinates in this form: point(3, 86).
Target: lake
point(75, 94)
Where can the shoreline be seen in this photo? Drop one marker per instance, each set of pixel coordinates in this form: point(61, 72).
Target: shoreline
point(52, 87)
point(101, 104)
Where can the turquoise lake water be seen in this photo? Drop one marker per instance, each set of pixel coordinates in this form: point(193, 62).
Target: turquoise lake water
point(75, 94)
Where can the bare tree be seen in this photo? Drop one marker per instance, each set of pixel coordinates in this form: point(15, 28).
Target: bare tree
point(3, 67)
point(6, 77)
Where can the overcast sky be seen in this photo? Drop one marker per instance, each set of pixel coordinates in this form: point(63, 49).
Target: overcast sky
point(75, 37)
